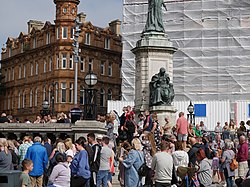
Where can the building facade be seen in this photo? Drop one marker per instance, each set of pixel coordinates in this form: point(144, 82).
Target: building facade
point(40, 66)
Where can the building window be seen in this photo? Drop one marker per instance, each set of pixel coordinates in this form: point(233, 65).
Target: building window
point(71, 92)
point(57, 33)
point(13, 73)
point(102, 68)
point(87, 38)
point(50, 64)
point(110, 69)
point(19, 100)
point(22, 47)
point(10, 51)
point(24, 99)
point(34, 42)
point(50, 94)
point(31, 97)
point(64, 32)
point(57, 62)
point(47, 38)
point(37, 68)
point(72, 10)
point(5, 75)
point(56, 94)
point(31, 69)
point(107, 43)
point(71, 62)
point(72, 33)
point(12, 101)
point(102, 97)
point(82, 64)
point(8, 103)
point(36, 95)
point(9, 74)
point(64, 61)
point(20, 72)
point(82, 95)
point(63, 92)
point(44, 66)
point(65, 10)
point(24, 71)
point(44, 93)
point(109, 94)
point(91, 64)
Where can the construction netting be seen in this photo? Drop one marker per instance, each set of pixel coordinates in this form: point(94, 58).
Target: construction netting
point(213, 41)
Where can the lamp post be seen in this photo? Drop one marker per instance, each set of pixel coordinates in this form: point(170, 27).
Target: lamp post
point(45, 108)
point(191, 115)
point(90, 96)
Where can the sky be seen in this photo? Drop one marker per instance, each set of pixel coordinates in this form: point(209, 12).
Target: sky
point(14, 14)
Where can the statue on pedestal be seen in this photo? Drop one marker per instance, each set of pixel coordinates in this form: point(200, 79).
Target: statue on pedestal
point(161, 90)
point(154, 20)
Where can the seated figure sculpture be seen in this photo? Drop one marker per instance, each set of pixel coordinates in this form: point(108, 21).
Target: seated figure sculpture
point(161, 90)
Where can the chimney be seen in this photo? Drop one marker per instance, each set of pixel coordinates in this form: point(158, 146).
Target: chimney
point(115, 26)
point(81, 17)
point(34, 24)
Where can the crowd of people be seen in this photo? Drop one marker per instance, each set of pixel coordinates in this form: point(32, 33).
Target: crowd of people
point(142, 151)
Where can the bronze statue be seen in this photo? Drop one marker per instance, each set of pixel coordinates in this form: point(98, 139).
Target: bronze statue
point(154, 20)
point(161, 90)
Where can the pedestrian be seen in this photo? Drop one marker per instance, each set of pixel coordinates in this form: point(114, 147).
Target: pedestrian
point(5, 156)
point(182, 129)
point(242, 157)
point(27, 166)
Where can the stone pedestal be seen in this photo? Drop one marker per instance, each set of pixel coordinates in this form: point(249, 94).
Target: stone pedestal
point(152, 52)
point(163, 112)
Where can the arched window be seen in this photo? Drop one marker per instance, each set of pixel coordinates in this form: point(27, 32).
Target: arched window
point(36, 95)
point(82, 95)
point(102, 97)
point(31, 97)
point(8, 104)
point(44, 93)
point(56, 94)
point(109, 94)
point(24, 99)
point(50, 93)
point(19, 100)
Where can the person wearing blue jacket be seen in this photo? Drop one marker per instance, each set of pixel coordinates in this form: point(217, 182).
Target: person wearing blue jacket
point(80, 170)
point(38, 154)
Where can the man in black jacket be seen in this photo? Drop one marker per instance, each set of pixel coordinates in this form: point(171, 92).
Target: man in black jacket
point(191, 153)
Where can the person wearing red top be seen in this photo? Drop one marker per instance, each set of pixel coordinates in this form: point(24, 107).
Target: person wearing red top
point(182, 129)
point(242, 157)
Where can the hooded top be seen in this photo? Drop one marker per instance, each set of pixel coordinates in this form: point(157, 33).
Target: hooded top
point(180, 158)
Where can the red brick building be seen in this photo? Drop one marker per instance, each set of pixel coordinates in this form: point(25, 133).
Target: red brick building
point(39, 65)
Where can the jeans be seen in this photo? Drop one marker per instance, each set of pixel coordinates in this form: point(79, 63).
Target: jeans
point(229, 180)
point(102, 178)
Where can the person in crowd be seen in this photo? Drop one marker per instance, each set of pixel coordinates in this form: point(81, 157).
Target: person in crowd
point(204, 172)
point(167, 128)
point(148, 123)
point(162, 164)
point(3, 118)
point(106, 154)
point(132, 163)
point(60, 176)
point(95, 165)
point(110, 118)
point(140, 123)
point(80, 171)
point(27, 166)
point(182, 129)
point(149, 150)
point(130, 112)
point(218, 144)
point(112, 167)
point(192, 152)
point(60, 148)
point(130, 128)
point(180, 157)
point(156, 130)
point(60, 118)
point(115, 116)
point(227, 157)
point(38, 154)
point(197, 131)
point(241, 130)
point(191, 132)
point(225, 132)
point(15, 159)
point(47, 145)
point(242, 157)
point(232, 128)
point(70, 153)
point(88, 148)
point(203, 127)
point(218, 128)
point(38, 119)
point(5, 156)
point(206, 147)
point(216, 166)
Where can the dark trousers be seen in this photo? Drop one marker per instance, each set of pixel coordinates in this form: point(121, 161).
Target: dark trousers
point(158, 184)
point(77, 181)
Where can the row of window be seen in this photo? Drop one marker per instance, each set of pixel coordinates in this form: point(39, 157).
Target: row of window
point(66, 62)
point(66, 96)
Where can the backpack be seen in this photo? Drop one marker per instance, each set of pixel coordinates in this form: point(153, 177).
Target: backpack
point(233, 164)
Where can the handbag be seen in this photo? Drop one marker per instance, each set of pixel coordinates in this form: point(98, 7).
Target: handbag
point(143, 169)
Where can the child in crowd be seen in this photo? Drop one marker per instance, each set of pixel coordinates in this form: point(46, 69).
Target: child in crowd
point(216, 165)
point(27, 167)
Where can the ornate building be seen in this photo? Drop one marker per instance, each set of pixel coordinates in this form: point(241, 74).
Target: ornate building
point(40, 66)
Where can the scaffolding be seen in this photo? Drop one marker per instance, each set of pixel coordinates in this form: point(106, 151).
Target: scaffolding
point(213, 41)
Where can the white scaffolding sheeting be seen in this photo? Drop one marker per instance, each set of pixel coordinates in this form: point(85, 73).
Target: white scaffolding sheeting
point(213, 41)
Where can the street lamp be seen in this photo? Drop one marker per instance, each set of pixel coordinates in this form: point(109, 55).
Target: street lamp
point(45, 108)
point(90, 96)
point(191, 115)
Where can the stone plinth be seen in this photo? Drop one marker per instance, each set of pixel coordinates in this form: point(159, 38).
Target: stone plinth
point(152, 52)
point(163, 112)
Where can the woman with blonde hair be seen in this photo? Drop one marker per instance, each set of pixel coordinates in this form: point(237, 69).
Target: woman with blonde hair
point(14, 156)
point(5, 156)
point(69, 149)
point(60, 148)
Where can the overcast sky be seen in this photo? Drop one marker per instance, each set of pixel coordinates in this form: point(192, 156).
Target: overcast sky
point(14, 14)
